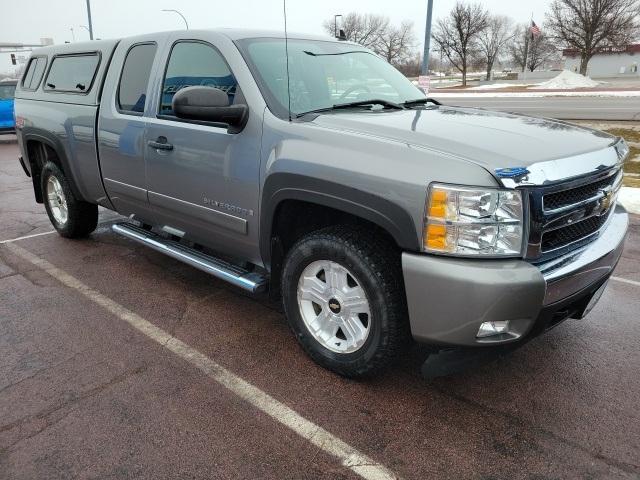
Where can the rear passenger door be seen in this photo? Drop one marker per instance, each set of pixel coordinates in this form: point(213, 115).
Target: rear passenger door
point(121, 134)
point(202, 179)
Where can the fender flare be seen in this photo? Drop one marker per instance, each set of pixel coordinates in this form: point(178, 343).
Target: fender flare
point(46, 138)
point(279, 187)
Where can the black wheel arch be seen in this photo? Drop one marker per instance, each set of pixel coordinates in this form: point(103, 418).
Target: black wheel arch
point(281, 187)
point(47, 139)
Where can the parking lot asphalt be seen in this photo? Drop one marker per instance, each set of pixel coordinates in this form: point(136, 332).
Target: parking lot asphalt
point(90, 389)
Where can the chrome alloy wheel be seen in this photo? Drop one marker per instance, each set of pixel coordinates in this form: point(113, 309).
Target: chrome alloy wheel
point(333, 306)
point(57, 201)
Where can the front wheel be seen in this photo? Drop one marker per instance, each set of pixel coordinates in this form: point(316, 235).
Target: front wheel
point(343, 297)
point(72, 218)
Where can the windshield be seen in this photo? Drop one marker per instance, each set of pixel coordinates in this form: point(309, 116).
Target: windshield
point(7, 92)
point(322, 75)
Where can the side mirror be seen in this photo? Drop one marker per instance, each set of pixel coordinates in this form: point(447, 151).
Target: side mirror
point(209, 104)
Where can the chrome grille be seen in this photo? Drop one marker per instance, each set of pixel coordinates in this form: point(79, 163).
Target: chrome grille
point(570, 214)
point(571, 233)
point(571, 196)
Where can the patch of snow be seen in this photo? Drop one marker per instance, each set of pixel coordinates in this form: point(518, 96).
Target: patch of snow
point(630, 199)
point(568, 81)
point(502, 85)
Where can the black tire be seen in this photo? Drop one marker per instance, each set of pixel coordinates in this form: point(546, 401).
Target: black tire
point(377, 265)
point(82, 217)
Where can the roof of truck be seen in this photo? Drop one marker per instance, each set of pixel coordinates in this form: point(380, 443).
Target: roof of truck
point(92, 46)
point(242, 33)
point(231, 33)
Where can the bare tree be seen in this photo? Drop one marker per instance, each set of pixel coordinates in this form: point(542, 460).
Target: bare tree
point(493, 39)
point(541, 50)
point(395, 44)
point(456, 35)
point(530, 52)
point(365, 29)
point(519, 47)
point(589, 25)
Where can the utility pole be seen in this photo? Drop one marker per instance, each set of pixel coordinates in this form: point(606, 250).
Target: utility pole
point(335, 25)
point(89, 19)
point(427, 39)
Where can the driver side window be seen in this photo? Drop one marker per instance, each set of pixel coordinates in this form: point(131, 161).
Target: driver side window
point(195, 64)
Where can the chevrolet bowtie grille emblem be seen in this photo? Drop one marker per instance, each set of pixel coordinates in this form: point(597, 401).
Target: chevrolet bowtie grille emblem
point(607, 200)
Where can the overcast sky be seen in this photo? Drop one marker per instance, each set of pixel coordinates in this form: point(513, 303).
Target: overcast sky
point(26, 21)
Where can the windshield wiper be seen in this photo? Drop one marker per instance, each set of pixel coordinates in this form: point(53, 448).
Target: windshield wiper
point(313, 54)
point(360, 103)
point(420, 101)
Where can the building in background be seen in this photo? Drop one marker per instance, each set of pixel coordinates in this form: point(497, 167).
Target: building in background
point(609, 62)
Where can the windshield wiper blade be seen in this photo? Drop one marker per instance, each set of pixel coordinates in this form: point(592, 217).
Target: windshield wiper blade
point(360, 103)
point(420, 101)
point(313, 54)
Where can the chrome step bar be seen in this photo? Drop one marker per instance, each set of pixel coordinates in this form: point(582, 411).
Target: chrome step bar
point(228, 272)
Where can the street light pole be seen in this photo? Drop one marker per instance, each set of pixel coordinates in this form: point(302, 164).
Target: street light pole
point(89, 19)
point(176, 11)
point(335, 25)
point(427, 40)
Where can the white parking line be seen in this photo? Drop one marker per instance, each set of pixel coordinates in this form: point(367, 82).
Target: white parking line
point(26, 236)
point(350, 457)
point(626, 280)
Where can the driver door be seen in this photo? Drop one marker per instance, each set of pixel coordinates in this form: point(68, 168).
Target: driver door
point(202, 180)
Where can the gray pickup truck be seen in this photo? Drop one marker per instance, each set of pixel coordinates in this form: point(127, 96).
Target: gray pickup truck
point(326, 177)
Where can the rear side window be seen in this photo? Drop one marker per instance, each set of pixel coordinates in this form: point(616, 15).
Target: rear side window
point(195, 63)
point(34, 73)
point(72, 73)
point(132, 90)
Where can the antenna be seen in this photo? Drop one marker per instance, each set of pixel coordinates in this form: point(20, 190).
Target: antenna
point(286, 49)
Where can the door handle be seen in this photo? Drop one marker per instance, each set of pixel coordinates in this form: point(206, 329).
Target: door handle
point(160, 143)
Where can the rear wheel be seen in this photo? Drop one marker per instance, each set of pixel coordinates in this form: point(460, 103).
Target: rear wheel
point(343, 296)
point(71, 217)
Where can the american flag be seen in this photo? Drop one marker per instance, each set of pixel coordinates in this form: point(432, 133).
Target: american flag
point(535, 29)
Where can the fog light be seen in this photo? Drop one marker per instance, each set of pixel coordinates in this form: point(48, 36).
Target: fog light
point(489, 329)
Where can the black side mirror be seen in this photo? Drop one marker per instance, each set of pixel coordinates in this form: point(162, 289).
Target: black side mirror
point(209, 104)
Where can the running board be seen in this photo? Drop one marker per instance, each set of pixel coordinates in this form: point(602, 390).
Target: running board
point(233, 274)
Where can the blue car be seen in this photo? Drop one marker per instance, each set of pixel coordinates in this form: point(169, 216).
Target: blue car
point(7, 92)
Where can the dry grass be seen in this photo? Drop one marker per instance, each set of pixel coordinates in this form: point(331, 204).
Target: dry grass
point(632, 165)
point(629, 134)
point(631, 182)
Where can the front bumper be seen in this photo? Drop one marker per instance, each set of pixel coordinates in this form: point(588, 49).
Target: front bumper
point(449, 298)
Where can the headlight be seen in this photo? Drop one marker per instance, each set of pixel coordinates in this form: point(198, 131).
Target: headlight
point(622, 148)
point(469, 221)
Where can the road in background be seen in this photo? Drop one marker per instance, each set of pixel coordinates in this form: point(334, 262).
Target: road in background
point(565, 108)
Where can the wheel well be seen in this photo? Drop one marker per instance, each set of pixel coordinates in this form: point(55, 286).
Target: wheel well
point(295, 218)
point(39, 153)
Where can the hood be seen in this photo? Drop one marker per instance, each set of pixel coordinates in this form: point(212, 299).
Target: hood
point(493, 140)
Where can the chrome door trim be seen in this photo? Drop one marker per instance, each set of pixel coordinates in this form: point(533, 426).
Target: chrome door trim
point(208, 215)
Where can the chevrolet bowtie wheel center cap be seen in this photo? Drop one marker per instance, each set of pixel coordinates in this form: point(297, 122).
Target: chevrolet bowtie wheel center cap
point(334, 306)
